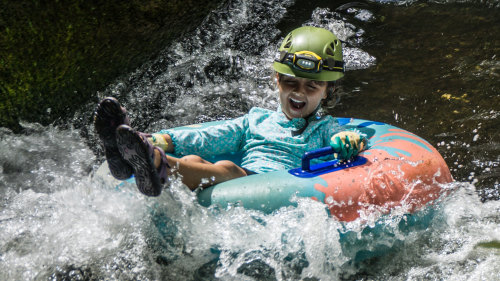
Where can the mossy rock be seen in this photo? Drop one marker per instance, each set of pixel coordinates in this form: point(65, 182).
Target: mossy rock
point(490, 244)
point(55, 55)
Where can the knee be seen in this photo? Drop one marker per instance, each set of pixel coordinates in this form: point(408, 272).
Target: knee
point(192, 158)
point(231, 168)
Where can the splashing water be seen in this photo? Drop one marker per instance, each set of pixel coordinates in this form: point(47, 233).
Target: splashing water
point(58, 221)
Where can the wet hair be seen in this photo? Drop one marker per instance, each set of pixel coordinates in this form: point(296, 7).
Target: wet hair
point(332, 96)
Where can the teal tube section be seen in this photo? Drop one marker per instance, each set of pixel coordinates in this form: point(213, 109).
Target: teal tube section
point(265, 192)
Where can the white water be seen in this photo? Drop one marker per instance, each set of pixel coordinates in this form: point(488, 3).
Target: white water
point(57, 221)
point(72, 225)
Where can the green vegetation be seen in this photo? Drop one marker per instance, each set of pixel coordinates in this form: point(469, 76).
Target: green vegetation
point(55, 55)
point(491, 244)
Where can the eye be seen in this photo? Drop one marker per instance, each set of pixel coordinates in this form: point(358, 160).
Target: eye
point(312, 86)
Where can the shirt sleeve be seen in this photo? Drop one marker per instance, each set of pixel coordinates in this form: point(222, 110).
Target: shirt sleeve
point(330, 128)
point(227, 137)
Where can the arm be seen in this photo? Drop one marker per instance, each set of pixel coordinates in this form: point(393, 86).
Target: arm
point(219, 139)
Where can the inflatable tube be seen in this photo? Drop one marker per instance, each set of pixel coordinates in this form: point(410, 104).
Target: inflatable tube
point(398, 169)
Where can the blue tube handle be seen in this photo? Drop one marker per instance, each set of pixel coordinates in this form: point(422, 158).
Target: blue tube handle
point(309, 155)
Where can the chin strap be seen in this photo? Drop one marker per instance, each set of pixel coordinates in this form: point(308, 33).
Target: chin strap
point(301, 130)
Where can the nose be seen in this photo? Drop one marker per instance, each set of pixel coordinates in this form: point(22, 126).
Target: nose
point(300, 88)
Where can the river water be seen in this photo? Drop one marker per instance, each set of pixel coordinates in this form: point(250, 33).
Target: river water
point(429, 67)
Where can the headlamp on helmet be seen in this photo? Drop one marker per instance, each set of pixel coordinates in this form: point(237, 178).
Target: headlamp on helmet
point(310, 62)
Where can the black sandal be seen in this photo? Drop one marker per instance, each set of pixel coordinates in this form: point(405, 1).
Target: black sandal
point(108, 116)
point(138, 152)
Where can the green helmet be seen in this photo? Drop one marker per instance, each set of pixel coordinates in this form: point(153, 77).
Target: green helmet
point(311, 52)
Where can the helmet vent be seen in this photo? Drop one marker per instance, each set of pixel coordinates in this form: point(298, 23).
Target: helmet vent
point(331, 51)
point(288, 43)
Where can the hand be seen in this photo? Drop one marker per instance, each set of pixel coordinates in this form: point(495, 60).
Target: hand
point(347, 144)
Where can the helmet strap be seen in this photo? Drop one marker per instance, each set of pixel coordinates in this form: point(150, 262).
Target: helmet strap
point(333, 65)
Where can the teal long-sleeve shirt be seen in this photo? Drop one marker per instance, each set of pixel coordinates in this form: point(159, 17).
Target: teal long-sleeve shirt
point(264, 136)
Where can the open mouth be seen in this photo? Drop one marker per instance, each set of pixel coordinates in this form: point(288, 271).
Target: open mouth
point(297, 104)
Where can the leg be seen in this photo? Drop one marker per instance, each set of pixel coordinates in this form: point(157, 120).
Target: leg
point(152, 167)
point(195, 171)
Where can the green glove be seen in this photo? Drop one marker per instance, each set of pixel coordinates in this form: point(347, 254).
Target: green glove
point(347, 144)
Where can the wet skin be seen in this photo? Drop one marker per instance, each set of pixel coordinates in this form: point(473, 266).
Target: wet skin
point(300, 97)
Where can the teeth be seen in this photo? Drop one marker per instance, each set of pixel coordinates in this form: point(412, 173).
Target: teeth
point(296, 101)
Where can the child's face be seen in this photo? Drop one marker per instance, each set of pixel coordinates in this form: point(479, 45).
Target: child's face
point(300, 97)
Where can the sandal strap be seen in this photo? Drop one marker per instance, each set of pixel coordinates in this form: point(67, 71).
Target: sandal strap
point(164, 167)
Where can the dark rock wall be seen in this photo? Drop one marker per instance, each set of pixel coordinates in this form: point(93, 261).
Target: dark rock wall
point(55, 55)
